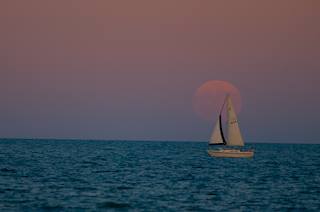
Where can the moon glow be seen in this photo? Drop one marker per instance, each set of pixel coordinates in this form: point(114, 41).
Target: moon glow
point(209, 97)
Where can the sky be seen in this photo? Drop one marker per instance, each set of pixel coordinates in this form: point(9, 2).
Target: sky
point(129, 69)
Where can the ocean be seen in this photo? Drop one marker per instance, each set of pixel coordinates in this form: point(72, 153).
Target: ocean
point(77, 175)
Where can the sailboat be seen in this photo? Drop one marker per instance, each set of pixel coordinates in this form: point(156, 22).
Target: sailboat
point(234, 140)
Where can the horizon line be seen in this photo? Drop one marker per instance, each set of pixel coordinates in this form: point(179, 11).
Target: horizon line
point(144, 140)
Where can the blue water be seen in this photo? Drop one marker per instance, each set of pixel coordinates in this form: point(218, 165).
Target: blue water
point(155, 176)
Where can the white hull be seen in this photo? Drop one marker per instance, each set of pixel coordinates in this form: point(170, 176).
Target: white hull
point(231, 153)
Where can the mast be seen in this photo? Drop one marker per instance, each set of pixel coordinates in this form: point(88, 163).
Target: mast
point(234, 134)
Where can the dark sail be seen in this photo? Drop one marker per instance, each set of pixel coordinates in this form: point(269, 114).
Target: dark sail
point(221, 133)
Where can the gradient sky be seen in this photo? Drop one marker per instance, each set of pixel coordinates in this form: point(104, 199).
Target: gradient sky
point(129, 69)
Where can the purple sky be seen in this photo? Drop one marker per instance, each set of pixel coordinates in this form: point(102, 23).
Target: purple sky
point(129, 69)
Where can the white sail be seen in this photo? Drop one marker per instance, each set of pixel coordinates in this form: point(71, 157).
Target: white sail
point(216, 137)
point(234, 134)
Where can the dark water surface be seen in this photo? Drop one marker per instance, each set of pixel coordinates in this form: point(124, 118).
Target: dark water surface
point(155, 176)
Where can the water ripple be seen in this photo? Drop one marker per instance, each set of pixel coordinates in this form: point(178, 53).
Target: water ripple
point(155, 176)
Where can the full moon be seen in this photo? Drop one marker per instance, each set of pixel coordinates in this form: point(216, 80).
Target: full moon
point(209, 97)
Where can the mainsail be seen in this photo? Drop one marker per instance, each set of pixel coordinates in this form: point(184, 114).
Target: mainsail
point(234, 134)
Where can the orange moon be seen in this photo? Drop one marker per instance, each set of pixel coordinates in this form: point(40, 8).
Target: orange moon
point(209, 97)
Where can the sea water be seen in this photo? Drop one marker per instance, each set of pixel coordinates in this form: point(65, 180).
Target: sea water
point(77, 175)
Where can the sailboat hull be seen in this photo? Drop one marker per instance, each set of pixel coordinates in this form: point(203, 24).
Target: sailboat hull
point(230, 153)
